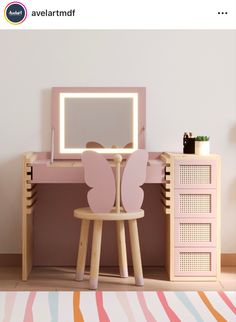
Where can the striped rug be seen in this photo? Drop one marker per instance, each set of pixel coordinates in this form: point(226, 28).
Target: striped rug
point(117, 306)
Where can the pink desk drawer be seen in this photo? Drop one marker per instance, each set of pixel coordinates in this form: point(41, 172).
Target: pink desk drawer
point(195, 261)
point(195, 173)
point(43, 173)
point(195, 232)
point(59, 172)
point(195, 203)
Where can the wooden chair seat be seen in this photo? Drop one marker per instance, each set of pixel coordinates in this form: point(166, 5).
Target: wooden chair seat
point(86, 213)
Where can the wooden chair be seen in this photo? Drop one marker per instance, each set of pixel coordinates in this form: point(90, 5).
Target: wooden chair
point(101, 203)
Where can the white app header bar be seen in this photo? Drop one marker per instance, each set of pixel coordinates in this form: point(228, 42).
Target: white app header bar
point(118, 14)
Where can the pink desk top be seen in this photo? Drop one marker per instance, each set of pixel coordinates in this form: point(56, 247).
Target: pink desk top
point(71, 171)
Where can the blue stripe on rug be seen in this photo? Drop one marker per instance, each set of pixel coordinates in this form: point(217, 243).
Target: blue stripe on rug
point(53, 305)
point(189, 305)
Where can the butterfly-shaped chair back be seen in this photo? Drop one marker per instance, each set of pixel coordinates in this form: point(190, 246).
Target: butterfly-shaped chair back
point(106, 188)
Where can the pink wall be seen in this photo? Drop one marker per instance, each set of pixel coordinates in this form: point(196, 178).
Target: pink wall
point(56, 231)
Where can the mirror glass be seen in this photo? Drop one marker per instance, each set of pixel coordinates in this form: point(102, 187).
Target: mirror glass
point(106, 120)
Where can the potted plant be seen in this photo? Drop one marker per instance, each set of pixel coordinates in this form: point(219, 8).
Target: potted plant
point(202, 145)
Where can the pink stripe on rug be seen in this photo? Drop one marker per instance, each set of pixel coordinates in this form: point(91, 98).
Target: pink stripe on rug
point(148, 315)
point(227, 301)
point(170, 313)
point(28, 310)
point(103, 317)
point(9, 304)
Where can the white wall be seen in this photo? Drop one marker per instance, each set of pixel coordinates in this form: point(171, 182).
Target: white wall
point(190, 78)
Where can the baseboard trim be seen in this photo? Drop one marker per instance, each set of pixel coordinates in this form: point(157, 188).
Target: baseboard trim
point(228, 259)
point(10, 260)
point(15, 260)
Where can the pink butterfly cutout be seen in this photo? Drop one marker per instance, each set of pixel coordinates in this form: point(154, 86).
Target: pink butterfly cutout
point(100, 177)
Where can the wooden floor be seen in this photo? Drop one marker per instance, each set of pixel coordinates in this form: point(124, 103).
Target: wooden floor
point(62, 279)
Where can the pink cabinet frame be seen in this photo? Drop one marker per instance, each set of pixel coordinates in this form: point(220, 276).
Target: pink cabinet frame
point(192, 195)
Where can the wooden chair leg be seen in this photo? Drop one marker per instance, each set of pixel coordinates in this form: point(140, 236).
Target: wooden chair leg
point(135, 251)
point(82, 251)
point(95, 255)
point(121, 244)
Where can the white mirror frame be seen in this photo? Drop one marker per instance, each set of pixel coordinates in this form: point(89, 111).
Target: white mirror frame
point(59, 94)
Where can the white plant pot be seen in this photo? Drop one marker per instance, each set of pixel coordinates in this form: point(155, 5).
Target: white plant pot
point(202, 147)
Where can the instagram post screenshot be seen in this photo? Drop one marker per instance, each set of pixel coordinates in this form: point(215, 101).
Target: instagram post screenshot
point(118, 161)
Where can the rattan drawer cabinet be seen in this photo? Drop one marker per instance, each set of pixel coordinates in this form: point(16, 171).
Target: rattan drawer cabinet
point(191, 199)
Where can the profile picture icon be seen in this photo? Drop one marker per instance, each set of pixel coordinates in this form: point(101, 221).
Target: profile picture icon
point(15, 12)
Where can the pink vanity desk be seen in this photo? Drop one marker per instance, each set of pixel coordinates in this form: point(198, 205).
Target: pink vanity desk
point(181, 226)
point(51, 191)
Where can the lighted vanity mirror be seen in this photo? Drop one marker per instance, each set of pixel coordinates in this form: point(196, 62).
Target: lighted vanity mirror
point(107, 120)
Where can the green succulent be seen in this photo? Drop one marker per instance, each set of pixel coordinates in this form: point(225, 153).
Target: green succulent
point(202, 138)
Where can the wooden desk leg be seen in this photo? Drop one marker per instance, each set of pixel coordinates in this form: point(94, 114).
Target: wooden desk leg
point(95, 254)
point(29, 194)
point(135, 251)
point(121, 244)
point(82, 251)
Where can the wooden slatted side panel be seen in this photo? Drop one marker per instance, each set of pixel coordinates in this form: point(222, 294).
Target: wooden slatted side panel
point(167, 199)
point(29, 195)
point(168, 250)
point(166, 187)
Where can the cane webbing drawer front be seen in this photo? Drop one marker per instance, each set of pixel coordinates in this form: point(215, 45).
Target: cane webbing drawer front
point(195, 261)
point(195, 202)
point(195, 232)
point(195, 174)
